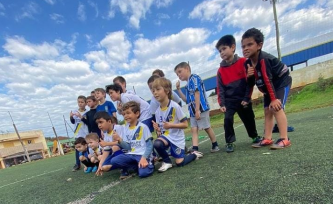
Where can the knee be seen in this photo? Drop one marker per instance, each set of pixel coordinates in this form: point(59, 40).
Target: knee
point(228, 118)
point(145, 173)
point(180, 164)
point(82, 158)
point(158, 144)
point(106, 168)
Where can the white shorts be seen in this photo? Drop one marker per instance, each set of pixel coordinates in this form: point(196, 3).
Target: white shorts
point(203, 123)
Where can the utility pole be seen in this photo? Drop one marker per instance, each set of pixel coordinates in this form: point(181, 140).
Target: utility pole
point(276, 28)
point(55, 133)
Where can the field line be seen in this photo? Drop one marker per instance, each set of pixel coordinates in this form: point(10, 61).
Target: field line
point(91, 196)
point(30, 178)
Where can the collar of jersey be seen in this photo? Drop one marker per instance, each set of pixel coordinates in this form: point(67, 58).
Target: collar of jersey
point(166, 108)
point(132, 128)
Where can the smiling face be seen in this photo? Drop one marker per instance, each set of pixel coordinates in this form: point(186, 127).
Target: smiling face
point(92, 143)
point(131, 117)
point(250, 47)
point(99, 95)
point(183, 73)
point(115, 96)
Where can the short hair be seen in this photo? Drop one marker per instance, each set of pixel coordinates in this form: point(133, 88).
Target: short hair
point(227, 40)
point(104, 115)
point(255, 33)
point(80, 140)
point(91, 98)
point(92, 92)
point(152, 79)
point(114, 87)
point(82, 97)
point(119, 78)
point(182, 65)
point(158, 72)
point(165, 83)
point(134, 106)
point(100, 90)
point(92, 136)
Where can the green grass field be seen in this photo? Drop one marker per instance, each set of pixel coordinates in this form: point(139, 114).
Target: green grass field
point(302, 173)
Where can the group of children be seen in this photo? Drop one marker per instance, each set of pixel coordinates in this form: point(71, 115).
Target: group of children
point(156, 129)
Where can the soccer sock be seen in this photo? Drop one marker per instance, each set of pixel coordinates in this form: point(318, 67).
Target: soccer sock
point(160, 148)
point(195, 148)
point(214, 144)
point(187, 159)
point(87, 163)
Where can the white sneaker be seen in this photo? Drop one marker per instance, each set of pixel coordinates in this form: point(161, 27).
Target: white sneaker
point(199, 154)
point(215, 149)
point(164, 167)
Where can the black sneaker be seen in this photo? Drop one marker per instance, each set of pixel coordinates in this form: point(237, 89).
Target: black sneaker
point(229, 147)
point(76, 167)
point(276, 129)
point(124, 174)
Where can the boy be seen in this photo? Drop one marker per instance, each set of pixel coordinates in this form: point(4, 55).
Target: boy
point(158, 72)
point(81, 129)
point(170, 122)
point(234, 95)
point(104, 105)
point(82, 147)
point(273, 79)
point(122, 82)
point(198, 106)
point(88, 117)
point(95, 155)
point(137, 139)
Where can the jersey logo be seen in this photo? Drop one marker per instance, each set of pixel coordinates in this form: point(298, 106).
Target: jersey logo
point(178, 151)
point(138, 134)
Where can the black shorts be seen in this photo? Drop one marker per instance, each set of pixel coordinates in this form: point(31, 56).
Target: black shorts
point(281, 94)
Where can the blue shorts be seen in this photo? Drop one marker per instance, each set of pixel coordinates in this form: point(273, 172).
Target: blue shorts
point(149, 123)
point(175, 151)
point(281, 94)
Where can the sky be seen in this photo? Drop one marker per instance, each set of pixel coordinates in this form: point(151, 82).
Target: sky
point(51, 51)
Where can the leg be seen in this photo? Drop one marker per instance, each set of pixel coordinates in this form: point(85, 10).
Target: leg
point(185, 160)
point(195, 138)
point(229, 125)
point(77, 160)
point(281, 120)
point(246, 114)
point(143, 172)
point(269, 123)
point(160, 146)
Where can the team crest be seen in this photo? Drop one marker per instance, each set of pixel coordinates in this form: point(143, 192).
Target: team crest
point(178, 151)
point(170, 118)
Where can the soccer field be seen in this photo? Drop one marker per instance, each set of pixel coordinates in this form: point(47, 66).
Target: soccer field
point(302, 173)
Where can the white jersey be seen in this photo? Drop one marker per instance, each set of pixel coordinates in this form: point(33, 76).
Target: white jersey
point(130, 92)
point(137, 137)
point(96, 152)
point(144, 105)
point(154, 104)
point(81, 129)
point(172, 114)
point(108, 136)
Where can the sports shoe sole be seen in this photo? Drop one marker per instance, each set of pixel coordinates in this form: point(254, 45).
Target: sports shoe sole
point(278, 147)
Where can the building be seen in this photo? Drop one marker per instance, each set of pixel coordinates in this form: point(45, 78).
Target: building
point(11, 150)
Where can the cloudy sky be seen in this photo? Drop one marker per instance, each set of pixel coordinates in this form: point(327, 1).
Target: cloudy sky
point(54, 50)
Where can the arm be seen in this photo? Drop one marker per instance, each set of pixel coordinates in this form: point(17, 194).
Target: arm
point(124, 145)
point(266, 69)
point(104, 144)
point(180, 93)
point(182, 125)
point(103, 157)
point(149, 148)
point(220, 90)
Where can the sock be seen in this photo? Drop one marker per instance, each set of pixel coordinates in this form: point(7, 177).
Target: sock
point(160, 148)
point(87, 163)
point(214, 144)
point(195, 148)
point(187, 159)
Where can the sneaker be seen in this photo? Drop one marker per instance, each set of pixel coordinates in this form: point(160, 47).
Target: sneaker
point(88, 170)
point(291, 129)
point(264, 142)
point(124, 174)
point(229, 147)
point(164, 167)
point(257, 139)
point(281, 143)
point(94, 169)
point(215, 149)
point(276, 129)
point(76, 167)
point(199, 154)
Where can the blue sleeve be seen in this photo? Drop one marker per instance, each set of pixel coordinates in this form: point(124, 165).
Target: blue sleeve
point(111, 108)
point(149, 148)
point(125, 145)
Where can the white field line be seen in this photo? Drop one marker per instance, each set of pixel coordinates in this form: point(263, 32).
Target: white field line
point(91, 196)
point(30, 178)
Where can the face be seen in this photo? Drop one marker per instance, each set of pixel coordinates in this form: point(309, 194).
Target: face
point(160, 93)
point(250, 47)
point(183, 73)
point(226, 52)
point(81, 147)
point(81, 103)
point(92, 143)
point(104, 125)
point(123, 85)
point(99, 95)
point(92, 93)
point(115, 96)
point(129, 116)
point(150, 85)
point(91, 103)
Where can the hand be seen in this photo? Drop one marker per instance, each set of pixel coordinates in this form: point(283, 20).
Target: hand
point(155, 125)
point(115, 136)
point(223, 109)
point(167, 125)
point(143, 163)
point(89, 156)
point(197, 114)
point(244, 103)
point(119, 105)
point(276, 105)
point(99, 171)
point(71, 114)
point(78, 114)
point(178, 85)
point(102, 143)
point(250, 70)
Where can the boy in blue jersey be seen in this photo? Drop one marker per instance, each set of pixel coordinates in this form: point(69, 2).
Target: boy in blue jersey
point(104, 105)
point(198, 106)
point(82, 147)
point(170, 122)
point(137, 139)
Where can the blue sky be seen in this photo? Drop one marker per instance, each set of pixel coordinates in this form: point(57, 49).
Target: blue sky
point(54, 50)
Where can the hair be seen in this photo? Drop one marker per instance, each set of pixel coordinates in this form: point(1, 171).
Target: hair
point(92, 92)
point(134, 106)
point(158, 72)
point(182, 65)
point(80, 140)
point(120, 79)
point(104, 115)
point(255, 34)
point(227, 40)
point(100, 90)
point(91, 98)
point(165, 83)
point(82, 97)
point(92, 136)
point(152, 78)
point(114, 87)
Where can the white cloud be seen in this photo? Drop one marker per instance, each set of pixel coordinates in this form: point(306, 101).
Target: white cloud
point(81, 13)
point(163, 3)
point(28, 11)
point(59, 19)
point(52, 2)
point(94, 5)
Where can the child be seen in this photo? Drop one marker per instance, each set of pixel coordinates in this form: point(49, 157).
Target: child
point(234, 95)
point(82, 147)
point(104, 105)
point(88, 117)
point(81, 129)
point(170, 122)
point(116, 94)
point(122, 82)
point(95, 155)
point(137, 139)
point(198, 106)
point(272, 78)
point(158, 72)
point(107, 124)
